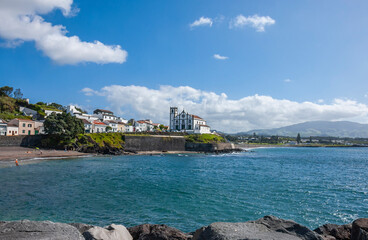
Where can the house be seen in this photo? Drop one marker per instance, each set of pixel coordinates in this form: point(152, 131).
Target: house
point(39, 128)
point(113, 124)
point(122, 127)
point(129, 128)
point(98, 127)
point(144, 126)
point(12, 129)
point(3, 127)
point(186, 122)
point(48, 112)
point(87, 126)
point(28, 112)
point(104, 115)
point(25, 126)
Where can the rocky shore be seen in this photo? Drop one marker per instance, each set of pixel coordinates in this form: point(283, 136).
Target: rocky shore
point(266, 228)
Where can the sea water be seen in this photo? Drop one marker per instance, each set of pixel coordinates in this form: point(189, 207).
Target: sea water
point(311, 186)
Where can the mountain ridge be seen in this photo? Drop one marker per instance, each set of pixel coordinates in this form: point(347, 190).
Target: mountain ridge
point(317, 128)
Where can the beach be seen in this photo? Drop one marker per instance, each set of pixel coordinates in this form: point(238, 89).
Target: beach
point(23, 153)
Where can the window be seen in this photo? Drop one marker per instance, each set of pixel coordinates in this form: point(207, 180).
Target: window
point(23, 131)
point(190, 127)
point(24, 124)
point(29, 125)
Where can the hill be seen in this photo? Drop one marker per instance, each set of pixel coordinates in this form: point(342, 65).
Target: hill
point(317, 128)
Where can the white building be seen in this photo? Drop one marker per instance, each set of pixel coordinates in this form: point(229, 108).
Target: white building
point(48, 112)
point(3, 126)
point(112, 124)
point(87, 126)
point(104, 115)
point(186, 122)
point(98, 127)
point(144, 126)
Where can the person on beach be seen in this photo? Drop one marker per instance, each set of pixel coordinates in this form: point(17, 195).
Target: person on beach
point(16, 162)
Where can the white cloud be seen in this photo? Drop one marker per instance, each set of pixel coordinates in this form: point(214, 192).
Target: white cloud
point(287, 80)
point(222, 113)
point(255, 21)
point(219, 57)
point(20, 20)
point(202, 21)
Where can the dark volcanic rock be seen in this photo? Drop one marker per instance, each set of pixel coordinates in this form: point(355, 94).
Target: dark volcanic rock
point(81, 226)
point(333, 231)
point(266, 228)
point(359, 230)
point(32, 230)
point(156, 232)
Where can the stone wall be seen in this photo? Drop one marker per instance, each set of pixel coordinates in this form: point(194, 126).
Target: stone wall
point(24, 141)
point(154, 143)
point(209, 147)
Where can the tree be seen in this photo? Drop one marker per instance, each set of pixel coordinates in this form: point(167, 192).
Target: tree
point(6, 91)
point(18, 94)
point(108, 128)
point(298, 139)
point(64, 125)
point(57, 106)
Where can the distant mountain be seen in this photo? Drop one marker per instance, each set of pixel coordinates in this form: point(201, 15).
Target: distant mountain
point(318, 128)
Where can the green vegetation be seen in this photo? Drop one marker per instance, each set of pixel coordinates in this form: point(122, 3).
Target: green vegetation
point(204, 138)
point(105, 139)
point(64, 125)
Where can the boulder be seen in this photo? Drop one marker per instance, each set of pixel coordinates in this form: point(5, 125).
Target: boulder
point(266, 228)
point(156, 232)
point(334, 232)
point(111, 232)
point(33, 230)
point(81, 226)
point(359, 230)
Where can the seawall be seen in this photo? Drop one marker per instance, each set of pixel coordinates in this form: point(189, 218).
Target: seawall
point(135, 143)
point(20, 141)
point(154, 143)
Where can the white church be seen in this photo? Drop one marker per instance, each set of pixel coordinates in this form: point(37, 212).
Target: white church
point(185, 122)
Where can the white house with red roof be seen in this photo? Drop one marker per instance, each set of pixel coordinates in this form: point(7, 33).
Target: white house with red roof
point(144, 126)
point(98, 127)
point(186, 122)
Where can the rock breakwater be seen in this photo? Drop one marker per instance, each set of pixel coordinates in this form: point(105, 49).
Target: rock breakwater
point(266, 228)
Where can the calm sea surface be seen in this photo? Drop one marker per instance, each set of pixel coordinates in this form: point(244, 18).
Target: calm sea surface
point(312, 186)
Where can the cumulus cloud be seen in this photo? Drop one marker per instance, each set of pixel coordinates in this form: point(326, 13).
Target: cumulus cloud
point(255, 21)
point(222, 113)
point(20, 20)
point(219, 57)
point(202, 21)
point(287, 80)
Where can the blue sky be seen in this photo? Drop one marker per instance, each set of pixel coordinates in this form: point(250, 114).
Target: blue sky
point(319, 46)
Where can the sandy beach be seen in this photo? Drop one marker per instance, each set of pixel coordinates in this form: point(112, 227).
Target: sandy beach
point(22, 153)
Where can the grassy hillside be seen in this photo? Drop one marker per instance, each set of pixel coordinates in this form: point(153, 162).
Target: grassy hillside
point(204, 138)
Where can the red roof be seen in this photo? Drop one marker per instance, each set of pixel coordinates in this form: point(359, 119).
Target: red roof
point(98, 123)
point(195, 116)
point(204, 125)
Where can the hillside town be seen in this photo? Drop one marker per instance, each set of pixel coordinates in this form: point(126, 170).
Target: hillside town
point(101, 121)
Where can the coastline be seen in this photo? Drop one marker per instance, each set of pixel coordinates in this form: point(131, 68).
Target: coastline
point(23, 153)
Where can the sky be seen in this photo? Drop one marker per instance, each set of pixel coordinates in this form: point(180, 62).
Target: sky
point(242, 65)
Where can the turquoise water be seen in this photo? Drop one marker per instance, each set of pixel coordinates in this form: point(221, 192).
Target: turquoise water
point(312, 186)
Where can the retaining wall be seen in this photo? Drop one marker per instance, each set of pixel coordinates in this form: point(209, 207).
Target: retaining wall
point(154, 143)
point(23, 141)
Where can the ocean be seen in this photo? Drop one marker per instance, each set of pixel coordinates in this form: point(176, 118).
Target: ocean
point(311, 186)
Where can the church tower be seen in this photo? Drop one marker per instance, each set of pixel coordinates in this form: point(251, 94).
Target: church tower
point(173, 114)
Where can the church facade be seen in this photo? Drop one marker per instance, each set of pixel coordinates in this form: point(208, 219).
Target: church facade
point(185, 122)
